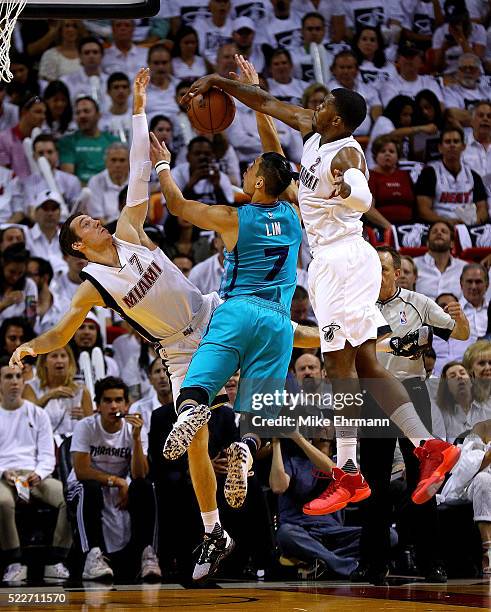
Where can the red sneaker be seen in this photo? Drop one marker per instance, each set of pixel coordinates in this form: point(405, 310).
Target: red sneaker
point(343, 489)
point(437, 458)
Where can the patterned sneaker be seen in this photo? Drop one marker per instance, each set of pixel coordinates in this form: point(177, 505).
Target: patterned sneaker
point(96, 566)
point(238, 469)
point(150, 569)
point(56, 572)
point(15, 572)
point(215, 546)
point(436, 459)
point(343, 489)
point(184, 430)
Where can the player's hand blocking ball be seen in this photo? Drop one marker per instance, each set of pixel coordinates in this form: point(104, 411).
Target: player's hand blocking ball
point(211, 112)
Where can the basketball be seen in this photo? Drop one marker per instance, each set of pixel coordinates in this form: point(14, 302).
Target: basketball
point(211, 112)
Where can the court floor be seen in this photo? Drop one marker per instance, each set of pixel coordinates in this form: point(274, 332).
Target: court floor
point(456, 596)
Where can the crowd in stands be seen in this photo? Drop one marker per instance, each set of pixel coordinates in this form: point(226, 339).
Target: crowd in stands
point(424, 69)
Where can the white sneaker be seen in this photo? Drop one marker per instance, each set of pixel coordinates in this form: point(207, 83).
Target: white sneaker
point(96, 566)
point(15, 572)
point(57, 571)
point(150, 565)
point(238, 469)
point(185, 428)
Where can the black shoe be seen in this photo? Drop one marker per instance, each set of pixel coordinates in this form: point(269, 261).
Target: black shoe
point(436, 573)
point(215, 546)
point(365, 573)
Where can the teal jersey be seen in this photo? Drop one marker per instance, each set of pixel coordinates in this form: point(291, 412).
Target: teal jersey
point(264, 260)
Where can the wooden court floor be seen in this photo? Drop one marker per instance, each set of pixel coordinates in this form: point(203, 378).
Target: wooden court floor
point(456, 596)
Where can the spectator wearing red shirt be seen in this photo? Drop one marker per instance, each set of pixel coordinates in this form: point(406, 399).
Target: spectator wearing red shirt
point(392, 188)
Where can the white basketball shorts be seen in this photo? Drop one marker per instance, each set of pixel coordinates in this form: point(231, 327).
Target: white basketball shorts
point(344, 285)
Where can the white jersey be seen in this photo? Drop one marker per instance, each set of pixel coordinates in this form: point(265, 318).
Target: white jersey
point(148, 290)
point(450, 190)
point(325, 217)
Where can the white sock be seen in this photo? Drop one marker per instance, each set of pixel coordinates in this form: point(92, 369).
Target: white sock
point(408, 421)
point(210, 519)
point(346, 442)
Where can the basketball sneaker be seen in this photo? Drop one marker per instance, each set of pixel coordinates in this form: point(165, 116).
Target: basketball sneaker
point(150, 569)
point(343, 489)
point(15, 572)
point(238, 469)
point(215, 547)
point(96, 567)
point(184, 430)
point(436, 457)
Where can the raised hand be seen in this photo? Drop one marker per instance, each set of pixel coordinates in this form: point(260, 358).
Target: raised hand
point(24, 350)
point(140, 84)
point(158, 150)
point(200, 86)
point(248, 74)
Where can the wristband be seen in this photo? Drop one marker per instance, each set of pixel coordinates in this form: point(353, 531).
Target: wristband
point(162, 165)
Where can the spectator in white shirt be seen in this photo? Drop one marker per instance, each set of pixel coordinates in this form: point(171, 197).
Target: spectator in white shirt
point(90, 80)
point(18, 293)
point(25, 190)
point(117, 118)
point(11, 234)
point(160, 396)
point(123, 55)
point(243, 35)
point(67, 282)
point(215, 30)
point(42, 240)
point(62, 59)
point(106, 186)
point(27, 459)
point(162, 87)
point(187, 63)
point(313, 31)
point(477, 152)
point(438, 271)
point(474, 281)
point(460, 97)
point(282, 84)
point(284, 27)
point(207, 275)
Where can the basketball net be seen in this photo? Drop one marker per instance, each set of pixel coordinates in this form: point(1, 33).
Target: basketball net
point(9, 13)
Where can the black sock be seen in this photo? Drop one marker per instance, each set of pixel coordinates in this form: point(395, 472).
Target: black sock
point(252, 444)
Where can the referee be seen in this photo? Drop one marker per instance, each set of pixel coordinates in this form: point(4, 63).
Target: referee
point(410, 315)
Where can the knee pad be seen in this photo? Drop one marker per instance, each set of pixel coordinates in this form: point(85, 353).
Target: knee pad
point(196, 394)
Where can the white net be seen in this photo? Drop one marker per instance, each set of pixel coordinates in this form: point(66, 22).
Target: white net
point(9, 13)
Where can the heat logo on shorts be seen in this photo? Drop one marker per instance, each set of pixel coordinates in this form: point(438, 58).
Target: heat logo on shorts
point(329, 331)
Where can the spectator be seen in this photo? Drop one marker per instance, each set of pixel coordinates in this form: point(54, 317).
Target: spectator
point(134, 355)
point(12, 154)
point(187, 63)
point(284, 27)
point(207, 275)
point(25, 84)
point(474, 282)
point(214, 30)
point(67, 282)
point(409, 274)
point(477, 154)
point(459, 408)
point(368, 47)
point(200, 178)
point(457, 36)
point(13, 332)
point(55, 390)
point(428, 111)
point(89, 81)
point(471, 481)
point(244, 37)
point(392, 188)
point(26, 190)
point(59, 112)
point(313, 96)
point(345, 72)
point(299, 310)
point(438, 271)
point(43, 238)
point(62, 59)
point(282, 84)
point(9, 113)
point(108, 484)
point(334, 19)
point(448, 189)
point(225, 61)
point(313, 31)
point(117, 118)
point(360, 13)
point(182, 238)
point(419, 20)
point(82, 153)
point(445, 351)
point(162, 87)
point(18, 293)
point(123, 56)
point(185, 263)
point(161, 395)
point(408, 81)
point(51, 306)
point(477, 362)
point(304, 537)
point(11, 235)
point(86, 338)
point(460, 97)
point(106, 186)
point(27, 460)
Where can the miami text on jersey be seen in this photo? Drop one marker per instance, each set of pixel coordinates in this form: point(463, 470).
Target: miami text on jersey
point(143, 286)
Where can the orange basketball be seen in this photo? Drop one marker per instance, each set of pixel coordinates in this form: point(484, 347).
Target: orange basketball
point(211, 112)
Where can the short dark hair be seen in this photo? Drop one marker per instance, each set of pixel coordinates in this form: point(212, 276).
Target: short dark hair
point(110, 382)
point(117, 76)
point(43, 138)
point(157, 47)
point(157, 119)
point(16, 253)
point(197, 140)
point(351, 107)
point(276, 171)
point(280, 51)
point(344, 53)
point(311, 15)
point(396, 257)
point(9, 227)
point(450, 227)
point(90, 99)
point(4, 362)
point(45, 268)
point(90, 39)
point(380, 142)
point(300, 293)
point(68, 237)
point(452, 128)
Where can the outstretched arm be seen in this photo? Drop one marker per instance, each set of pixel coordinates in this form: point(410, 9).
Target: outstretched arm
point(133, 215)
point(261, 101)
point(222, 219)
point(58, 336)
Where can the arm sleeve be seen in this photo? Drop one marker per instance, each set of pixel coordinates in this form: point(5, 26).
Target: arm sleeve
point(479, 189)
point(426, 183)
point(45, 459)
point(140, 165)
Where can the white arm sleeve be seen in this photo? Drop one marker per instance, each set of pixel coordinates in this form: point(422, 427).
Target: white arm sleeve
point(360, 198)
point(140, 165)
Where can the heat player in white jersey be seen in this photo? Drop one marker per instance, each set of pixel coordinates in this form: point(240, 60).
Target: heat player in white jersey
point(344, 277)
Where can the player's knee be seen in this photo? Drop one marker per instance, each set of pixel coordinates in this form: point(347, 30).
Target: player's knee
point(337, 368)
point(192, 395)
